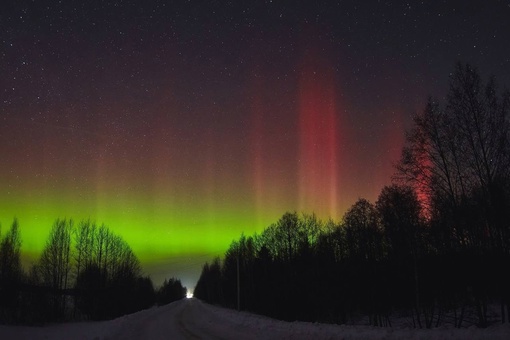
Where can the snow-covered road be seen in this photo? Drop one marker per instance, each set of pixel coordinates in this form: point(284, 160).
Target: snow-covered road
point(193, 319)
point(185, 319)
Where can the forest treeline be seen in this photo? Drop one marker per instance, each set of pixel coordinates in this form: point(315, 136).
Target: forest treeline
point(434, 247)
point(85, 271)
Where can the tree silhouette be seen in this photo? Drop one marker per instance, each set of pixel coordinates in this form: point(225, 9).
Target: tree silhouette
point(108, 281)
point(10, 272)
point(171, 290)
point(363, 231)
point(458, 156)
point(401, 217)
point(210, 284)
point(55, 263)
point(434, 247)
point(86, 266)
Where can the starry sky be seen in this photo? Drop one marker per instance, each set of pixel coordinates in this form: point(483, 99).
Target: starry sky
point(181, 124)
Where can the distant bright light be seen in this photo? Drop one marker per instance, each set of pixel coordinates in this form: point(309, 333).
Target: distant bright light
point(189, 294)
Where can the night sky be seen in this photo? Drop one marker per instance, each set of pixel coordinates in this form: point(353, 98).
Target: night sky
point(181, 124)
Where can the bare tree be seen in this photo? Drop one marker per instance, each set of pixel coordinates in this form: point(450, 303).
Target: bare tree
point(481, 117)
point(84, 243)
point(10, 271)
point(401, 217)
point(10, 247)
point(55, 262)
point(457, 157)
point(363, 230)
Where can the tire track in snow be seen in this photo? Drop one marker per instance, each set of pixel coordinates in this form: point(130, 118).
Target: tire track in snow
point(191, 322)
point(182, 326)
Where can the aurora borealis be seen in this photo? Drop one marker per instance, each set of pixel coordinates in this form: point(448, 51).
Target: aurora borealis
point(182, 124)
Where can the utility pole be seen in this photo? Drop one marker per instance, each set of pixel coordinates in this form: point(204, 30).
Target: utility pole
point(238, 285)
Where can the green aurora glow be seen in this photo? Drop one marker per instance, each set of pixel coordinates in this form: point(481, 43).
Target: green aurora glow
point(182, 124)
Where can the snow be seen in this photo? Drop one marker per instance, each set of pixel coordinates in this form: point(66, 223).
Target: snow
point(191, 318)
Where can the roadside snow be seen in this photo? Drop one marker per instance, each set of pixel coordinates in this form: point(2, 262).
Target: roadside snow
point(193, 319)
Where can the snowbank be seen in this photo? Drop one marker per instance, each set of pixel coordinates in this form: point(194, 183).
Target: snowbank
point(191, 318)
